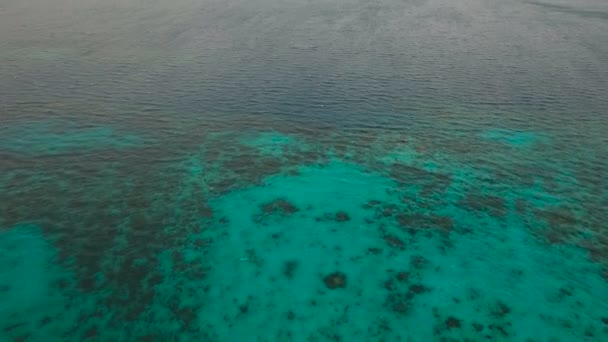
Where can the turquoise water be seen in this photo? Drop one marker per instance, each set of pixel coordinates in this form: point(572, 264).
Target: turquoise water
point(290, 171)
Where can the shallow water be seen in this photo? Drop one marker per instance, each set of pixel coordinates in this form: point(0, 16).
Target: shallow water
point(267, 170)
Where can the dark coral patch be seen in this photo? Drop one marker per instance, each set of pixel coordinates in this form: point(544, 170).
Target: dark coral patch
point(416, 289)
point(492, 205)
point(371, 203)
point(402, 276)
point(444, 222)
point(389, 211)
point(394, 241)
point(279, 207)
point(398, 303)
point(289, 269)
point(46, 320)
point(453, 323)
point(91, 333)
point(561, 223)
point(498, 328)
point(374, 250)
point(389, 285)
point(335, 280)
point(421, 221)
point(557, 216)
point(521, 206)
point(406, 173)
point(418, 261)
point(342, 216)
point(500, 310)
point(202, 242)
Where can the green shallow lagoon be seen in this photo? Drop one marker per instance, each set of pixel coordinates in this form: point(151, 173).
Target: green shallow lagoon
point(289, 171)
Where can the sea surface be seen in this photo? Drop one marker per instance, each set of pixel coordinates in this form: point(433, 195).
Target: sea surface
point(303, 170)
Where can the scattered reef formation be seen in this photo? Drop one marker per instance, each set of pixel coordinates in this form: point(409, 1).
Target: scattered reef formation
point(388, 238)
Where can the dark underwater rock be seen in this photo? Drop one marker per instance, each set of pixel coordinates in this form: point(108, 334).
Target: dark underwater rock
point(335, 280)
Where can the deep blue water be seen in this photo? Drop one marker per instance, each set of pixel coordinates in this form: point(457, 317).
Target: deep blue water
point(323, 170)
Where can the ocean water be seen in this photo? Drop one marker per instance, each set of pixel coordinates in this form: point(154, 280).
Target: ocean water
point(287, 170)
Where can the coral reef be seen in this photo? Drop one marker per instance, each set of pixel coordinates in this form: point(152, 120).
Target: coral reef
point(335, 280)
